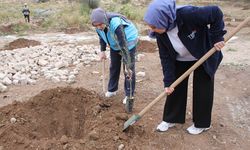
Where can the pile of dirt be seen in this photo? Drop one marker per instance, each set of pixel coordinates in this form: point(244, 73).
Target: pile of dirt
point(146, 46)
point(21, 43)
point(64, 118)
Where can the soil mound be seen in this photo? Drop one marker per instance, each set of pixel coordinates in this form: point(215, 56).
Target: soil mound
point(64, 118)
point(21, 43)
point(146, 46)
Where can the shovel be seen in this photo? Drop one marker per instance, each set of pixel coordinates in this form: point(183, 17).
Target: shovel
point(137, 117)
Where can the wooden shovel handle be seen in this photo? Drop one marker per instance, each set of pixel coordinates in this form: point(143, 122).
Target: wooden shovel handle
point(196, 65)
point(103, 76)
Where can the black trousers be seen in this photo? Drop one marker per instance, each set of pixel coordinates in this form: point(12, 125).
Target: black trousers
point(203, 91)
point(27, 18)
point(115, 69)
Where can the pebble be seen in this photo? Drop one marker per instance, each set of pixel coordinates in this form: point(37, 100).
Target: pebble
point(116, 138)
point(121, 147)
point(93, 135)
point(13, 120)
point(64, 139)
point(95, 72)
point(141, 74)
point(3, 88)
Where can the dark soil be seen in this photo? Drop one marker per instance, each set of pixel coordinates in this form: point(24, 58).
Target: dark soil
point(146, 46)
point(21, 43)
point(64, 118)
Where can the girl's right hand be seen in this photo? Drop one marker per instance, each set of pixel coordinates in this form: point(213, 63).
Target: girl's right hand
point(102, 55)
point(169, 90)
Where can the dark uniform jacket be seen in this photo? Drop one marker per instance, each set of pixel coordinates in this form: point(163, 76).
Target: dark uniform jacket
point(199, 29)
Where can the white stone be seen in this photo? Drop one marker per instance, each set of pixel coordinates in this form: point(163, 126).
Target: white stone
point(62, 72)
point(9, 75)
point(71, 81)
point(64, 78)
point(13, 71)
point(42, 62)
point(48, 76)
point(23, 70)
point(13, 120)
point(74, 72)
point(72, 76)
point(31, 81)
point(86, 62)
point(15, 82)
point(95, 72)
point(7, 81)
point(121, 147)
point(2, 75)
point(78, 66)
point(55, 79)
point(3, 88)
point(61, 64)
point(23, 81)
point(34, 72)
point(17, 75)
point(76, 62)
point(141, 74)
point(34, 77)
point(17, 67)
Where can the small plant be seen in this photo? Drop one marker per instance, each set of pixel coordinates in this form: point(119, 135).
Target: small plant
point(132, 12)
point(21, 27)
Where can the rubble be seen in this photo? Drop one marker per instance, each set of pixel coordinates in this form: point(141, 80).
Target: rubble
point(53, 62)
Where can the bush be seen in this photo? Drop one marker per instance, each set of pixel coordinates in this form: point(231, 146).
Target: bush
point(132, 12)
point(20, 27)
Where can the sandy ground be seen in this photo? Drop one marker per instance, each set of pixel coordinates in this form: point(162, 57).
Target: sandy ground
point(230, 114)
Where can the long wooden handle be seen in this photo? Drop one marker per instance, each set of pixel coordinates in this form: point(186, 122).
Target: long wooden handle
point(196, 65)
point(103, 76)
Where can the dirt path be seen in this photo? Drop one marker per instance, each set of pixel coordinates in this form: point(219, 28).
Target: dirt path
point(230, 123)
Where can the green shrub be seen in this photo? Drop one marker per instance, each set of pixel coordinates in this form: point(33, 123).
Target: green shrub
point(132, 12)
point(20, 27)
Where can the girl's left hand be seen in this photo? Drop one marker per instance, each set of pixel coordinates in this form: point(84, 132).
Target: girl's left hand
point(219, 45)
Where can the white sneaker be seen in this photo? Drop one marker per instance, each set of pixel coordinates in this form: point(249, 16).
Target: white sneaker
point(110, 94)
point(124, 100)
point(193, 130)
point(163, 126)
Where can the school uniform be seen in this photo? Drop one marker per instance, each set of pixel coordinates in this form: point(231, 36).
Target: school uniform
point(179, 48)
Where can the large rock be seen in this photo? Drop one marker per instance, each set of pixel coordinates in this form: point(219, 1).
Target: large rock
point(7, 81)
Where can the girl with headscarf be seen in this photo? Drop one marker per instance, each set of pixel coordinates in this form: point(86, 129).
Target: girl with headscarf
point(184, 34)
point(120, 34)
